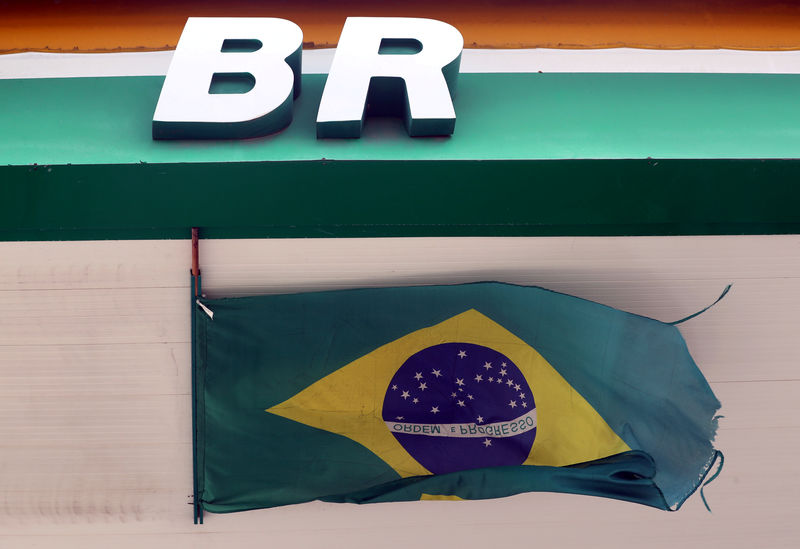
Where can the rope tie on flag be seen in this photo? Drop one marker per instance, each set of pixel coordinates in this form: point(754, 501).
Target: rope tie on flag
point(721, 457)
point(206, 310)
point(701, 311)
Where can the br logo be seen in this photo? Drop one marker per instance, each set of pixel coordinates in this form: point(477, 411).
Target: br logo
point(238, 77)
point(457, 406)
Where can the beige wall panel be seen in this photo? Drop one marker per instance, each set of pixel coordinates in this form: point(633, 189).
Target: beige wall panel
point(248, 266)
point(95, 447)
point(752, 405)
point(94, 264)
point(69, 317)
point(79, 370)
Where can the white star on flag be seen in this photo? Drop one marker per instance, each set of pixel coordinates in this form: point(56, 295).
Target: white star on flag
point(487, 442)
point(487, 365)
point(524, 405)
point(423, 386)
point(453, 394)
point(509, 382)
point(437, 373)
point(479, 419)
point(415, 400)
point(394, 387)
point(513, 404)
point(435, 410)
point(478, 378)
point(462, 354)
point(461, 403)
point(517, 387)
point(502, 372)
point(405, 395)
point(418, 376)
point(470, 397)
point(399, 418)
point(460, 382)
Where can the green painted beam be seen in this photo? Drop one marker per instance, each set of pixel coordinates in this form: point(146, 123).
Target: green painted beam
point(500, 117)
point(533, 154)
point(401, 198)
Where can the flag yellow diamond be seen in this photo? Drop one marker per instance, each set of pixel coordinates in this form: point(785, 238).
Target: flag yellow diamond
point(349, 401)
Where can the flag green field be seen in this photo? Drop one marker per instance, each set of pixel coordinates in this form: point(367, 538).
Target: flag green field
point(443, 392)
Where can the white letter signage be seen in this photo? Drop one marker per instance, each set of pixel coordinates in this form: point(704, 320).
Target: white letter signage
point(365, 55)
point(237, 77)
point(215, 53)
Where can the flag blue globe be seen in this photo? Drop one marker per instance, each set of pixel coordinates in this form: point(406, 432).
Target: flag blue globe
point(458, 406)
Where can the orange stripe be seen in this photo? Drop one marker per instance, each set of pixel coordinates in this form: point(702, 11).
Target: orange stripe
point(87, 26)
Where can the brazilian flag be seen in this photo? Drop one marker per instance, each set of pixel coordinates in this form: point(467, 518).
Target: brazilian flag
point(443, 392)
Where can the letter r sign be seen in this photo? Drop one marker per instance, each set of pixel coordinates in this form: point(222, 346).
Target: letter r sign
point(427, 76)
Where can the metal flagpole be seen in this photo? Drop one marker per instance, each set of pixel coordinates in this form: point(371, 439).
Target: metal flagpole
point(196, 292)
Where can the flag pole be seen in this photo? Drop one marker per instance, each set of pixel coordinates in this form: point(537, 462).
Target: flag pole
point(196, 261)
point(196, 293)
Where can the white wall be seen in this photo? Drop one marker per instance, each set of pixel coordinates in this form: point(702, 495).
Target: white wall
point(624, 60)
point(95, 427)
